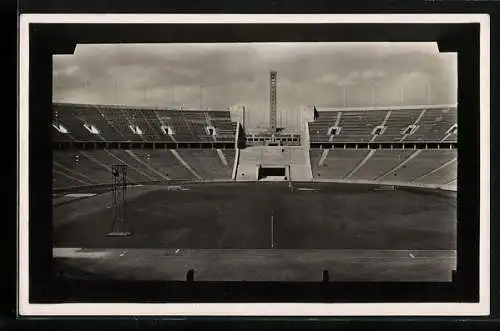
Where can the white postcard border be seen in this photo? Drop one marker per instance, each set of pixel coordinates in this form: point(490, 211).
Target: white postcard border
point(255, 309)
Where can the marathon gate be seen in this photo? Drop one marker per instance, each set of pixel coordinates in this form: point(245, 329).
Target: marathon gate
point(273, 171)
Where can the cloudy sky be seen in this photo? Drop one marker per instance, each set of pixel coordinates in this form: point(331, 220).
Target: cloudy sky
point(222, 75)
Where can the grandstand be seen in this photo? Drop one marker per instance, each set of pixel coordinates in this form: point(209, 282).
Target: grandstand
point(73, 123)
point(385, 125)
point(78, 122)
point(118, 124)
point(408, 167)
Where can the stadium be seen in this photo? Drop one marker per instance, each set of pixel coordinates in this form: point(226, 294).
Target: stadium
point(150, 193)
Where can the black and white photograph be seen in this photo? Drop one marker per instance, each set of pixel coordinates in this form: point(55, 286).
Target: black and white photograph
point(314, 162)
point(264, 205)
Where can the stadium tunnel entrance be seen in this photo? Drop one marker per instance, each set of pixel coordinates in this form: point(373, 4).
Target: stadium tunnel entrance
point(273, 173)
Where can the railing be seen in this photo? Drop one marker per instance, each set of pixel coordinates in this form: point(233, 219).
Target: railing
point(375, 145)
point(89, 145)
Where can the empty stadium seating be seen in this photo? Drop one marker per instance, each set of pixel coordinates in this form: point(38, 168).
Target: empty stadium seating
point(73, 168)
point(79, 164)
point(164, 162)
point(431, 166)
point(62, 180)
point(379, 163)
point(444, 174)
point(337, 164)
point(424, 163)
point(208, 163)
point(432, 125)
point(73, 122)
point(118, 123)
point(358, 126)
point(396, 123)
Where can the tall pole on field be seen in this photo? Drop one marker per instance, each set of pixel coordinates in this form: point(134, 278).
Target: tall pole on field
point(119, 226)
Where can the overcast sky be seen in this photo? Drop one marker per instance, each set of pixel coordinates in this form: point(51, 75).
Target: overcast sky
point(222, 75)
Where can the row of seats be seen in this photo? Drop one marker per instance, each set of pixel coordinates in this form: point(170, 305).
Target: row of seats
point(78, 168)
point(72, 168)
point(431, 166)
point(358, 126)
point(113, 123)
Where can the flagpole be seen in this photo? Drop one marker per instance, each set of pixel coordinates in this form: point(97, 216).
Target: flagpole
point(116, 93)
point(402, 94)
point(201, 96)
point(373, 95)
point(429, 91)
point(173, 96)
point(344, 92)
point(285, 124)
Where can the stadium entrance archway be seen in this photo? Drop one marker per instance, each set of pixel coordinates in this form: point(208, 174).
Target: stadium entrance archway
point(273, 173)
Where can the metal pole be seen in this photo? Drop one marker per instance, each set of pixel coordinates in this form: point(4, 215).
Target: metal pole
point(173, 96)
point(402, 91)
point(344, 92)
point(201, 96)
point(116, 93)
point(373, 95)
point(429, 91)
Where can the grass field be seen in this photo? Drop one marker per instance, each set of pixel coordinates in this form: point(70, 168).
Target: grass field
point(259, 231)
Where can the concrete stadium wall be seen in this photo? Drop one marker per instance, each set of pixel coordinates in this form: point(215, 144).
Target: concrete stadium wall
point(306, 143)
point(450, 188)
point(235, 164)
point(237, 154)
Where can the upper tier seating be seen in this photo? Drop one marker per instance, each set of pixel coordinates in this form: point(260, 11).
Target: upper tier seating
point(431, 125)
point(118, 124)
